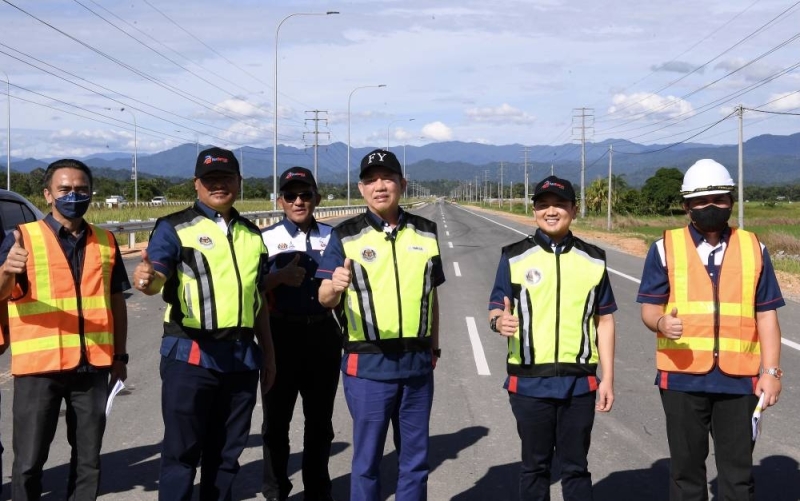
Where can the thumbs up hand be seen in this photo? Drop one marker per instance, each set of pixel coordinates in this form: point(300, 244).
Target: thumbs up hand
point(342, 276)
point(17, 258)
point(291, 274)
point(144, 273)
point(508, 323)
point(670, 325)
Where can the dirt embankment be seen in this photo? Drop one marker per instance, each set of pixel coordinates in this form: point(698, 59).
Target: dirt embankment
point(790, 284)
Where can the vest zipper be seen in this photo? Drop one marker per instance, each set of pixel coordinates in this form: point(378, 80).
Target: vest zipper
point(392, 237)
point(238, 276)
point(715, 288)
point(558, 307)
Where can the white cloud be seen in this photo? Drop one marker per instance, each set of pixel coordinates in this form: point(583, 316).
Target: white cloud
point(437, 131)
point(752, 73)
point(787, 101)
point(504, 113)
point(654, 106)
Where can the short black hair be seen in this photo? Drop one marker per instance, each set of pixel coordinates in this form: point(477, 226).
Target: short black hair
point(66, 163)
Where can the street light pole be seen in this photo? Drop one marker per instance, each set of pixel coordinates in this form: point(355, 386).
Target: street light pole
point(389, 127)
point(349, 98)
point(8, 132)
point(275, 127)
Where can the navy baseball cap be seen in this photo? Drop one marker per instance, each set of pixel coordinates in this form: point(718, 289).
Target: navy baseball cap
point(555, 185)
point(297, 175)
point(216, 160)
point(381, 158)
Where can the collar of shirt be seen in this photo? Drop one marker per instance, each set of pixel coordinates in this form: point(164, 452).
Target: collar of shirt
point(379, 224)
point(557, 248)
point(698, 237)
point(61, 231)
point(216, 216)
point(292, 228)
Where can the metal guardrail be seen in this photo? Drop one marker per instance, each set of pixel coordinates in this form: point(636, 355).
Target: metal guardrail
point(261, 219)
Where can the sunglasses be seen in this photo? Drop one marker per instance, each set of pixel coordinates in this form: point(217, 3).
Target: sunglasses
point(305, 196)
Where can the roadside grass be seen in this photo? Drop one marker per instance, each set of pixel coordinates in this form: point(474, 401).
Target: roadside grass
point(776, 225)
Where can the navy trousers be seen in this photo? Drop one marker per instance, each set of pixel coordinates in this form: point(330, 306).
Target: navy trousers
point(372, 404)
point(206, 418)
point(561, 426)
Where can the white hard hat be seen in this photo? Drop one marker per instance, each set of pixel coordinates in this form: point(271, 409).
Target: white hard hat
point(706, 177)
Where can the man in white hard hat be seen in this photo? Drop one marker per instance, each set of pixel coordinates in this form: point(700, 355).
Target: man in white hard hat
point(718, 340)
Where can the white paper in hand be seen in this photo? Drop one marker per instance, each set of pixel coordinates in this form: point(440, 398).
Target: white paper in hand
point(757, 417)
point(118, 387)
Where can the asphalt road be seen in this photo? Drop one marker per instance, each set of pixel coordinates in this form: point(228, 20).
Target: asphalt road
point(474, 446)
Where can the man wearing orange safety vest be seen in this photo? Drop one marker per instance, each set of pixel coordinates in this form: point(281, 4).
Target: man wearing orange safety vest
point(64, 280)
point(710, 294)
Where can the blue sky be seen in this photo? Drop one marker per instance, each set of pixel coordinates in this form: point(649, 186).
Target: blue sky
point(496, 72)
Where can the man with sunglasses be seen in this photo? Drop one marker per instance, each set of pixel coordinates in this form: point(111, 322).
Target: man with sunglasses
point(307, 342)
point(209, 263)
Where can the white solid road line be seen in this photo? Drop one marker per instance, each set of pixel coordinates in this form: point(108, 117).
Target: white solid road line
point(457, 269)
point(790, 344)
point(477, 348)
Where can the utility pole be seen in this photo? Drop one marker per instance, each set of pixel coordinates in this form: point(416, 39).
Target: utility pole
point(610, 156)
point(741, 167)
point(525, 176)
point(583, 114)
point(500, 191)
point(316, 133)
point(241, 171)
point(486, 186)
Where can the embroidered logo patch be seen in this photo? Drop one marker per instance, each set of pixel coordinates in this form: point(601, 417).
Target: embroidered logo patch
point(533, 276)
point(283, 246)
point(369, 254)
point(205, 242)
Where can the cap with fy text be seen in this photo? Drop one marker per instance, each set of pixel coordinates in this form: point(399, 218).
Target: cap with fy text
point(381, 158)
point(216, 160)
point(297, 175)
point(555, 185)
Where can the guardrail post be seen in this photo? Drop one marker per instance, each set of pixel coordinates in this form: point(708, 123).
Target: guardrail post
point(131, 240)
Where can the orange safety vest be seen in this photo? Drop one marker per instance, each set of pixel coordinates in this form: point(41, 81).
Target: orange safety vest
point(54, 323)
point(719, 324)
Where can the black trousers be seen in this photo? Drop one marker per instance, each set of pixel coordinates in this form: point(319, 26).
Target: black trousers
point(37, 401)
point(561, 426)
point(308, 357)
point(690, 417)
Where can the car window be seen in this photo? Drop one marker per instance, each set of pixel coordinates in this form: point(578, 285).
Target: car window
point(13, 213)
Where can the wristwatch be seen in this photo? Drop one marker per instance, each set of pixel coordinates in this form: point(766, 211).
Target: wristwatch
point(775, 372)
point(122, 357)
point(493, 323)
point(437, 352)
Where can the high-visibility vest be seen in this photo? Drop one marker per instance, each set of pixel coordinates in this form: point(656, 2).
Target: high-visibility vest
point(389, 304)
point(57, 319)
point(555, 300)
point(719, 323)
point(214, 291)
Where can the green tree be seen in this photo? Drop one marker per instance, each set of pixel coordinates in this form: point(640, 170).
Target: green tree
point(663, 191)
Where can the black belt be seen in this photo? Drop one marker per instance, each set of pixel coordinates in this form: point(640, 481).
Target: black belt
point(301, 319)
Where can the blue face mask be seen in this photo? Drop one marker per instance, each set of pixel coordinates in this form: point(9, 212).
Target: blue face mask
point(73, 205)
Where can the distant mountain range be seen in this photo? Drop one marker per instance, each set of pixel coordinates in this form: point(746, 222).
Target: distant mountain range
point(768, 160)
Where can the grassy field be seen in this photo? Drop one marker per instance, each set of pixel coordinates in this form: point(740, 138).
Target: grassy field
point(775, 224)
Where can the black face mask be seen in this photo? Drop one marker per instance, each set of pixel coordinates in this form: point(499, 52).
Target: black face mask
point(710, 219)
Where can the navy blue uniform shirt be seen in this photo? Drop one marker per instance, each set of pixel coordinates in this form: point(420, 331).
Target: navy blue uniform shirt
point(376, 366)
point(654, 289)
point(164, 250)
point(557, 386)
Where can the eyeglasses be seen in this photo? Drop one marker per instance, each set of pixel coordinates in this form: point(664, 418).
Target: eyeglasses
point(305, 196)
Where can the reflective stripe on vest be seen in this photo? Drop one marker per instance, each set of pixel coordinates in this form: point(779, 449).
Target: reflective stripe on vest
point(389, 300)
point(54, 322)
point(214, 291)
point(717, 323)
point(556, 334)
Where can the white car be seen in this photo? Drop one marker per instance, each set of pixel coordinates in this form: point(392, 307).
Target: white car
point(158, 200)
point(116, 200)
